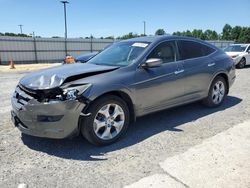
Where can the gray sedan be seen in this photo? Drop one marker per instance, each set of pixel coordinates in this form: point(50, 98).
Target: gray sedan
point(131, 78)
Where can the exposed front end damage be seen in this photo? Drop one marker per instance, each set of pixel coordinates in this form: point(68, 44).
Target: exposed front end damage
point(49, 104)
point(43, 117)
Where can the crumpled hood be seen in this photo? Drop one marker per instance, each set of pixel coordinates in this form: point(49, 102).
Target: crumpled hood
point(56, 76)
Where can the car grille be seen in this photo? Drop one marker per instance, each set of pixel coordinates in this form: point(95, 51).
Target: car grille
point(21, 96)
point(27, 91)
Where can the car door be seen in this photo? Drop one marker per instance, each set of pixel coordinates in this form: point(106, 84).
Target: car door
point(159, 86)
point(248, 55)
point(198, 68)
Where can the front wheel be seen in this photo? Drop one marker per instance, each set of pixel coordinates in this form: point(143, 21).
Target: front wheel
point(217, 92)
point(241, 64)
point(108, 121)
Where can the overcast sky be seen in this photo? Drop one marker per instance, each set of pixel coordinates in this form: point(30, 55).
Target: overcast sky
point(118, 17)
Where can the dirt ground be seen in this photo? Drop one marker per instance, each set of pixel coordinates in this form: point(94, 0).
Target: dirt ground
point(26, 67)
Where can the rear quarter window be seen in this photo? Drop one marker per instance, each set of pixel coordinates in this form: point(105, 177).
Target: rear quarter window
point(191, 49)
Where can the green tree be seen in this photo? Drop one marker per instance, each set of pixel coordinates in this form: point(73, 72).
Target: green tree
point(210, 35)
point(16, 35)
point(236, 33)
point(160, 32)
point(227, 32)
point(244, 35)
point(109, 37)
point(128, 36)
point(197, 33)
point(10, 34)
point(188, 33)
point(177, 33)
point(214, 36)
point(207, 34)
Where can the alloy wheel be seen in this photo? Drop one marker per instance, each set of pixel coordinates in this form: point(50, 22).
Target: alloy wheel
point(218, 92)
point(109, 121)
point(242, 63)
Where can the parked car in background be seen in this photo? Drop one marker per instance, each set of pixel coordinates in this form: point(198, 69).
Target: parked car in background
point(240, 53)
point(131, 78)
point(85, 57)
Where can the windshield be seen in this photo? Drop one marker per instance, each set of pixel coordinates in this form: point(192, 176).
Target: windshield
point(120, 54)
point(235, 48)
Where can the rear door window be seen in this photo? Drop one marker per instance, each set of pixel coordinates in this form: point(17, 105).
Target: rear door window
point(191, 49)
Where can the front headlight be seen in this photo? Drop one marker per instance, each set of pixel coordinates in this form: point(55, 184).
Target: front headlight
point(72, 93)
point(234, 56)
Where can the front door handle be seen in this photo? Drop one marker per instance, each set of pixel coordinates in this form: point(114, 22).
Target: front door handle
point(179, 71)
point(210, 64)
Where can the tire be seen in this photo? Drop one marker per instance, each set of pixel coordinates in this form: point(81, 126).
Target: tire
point(241, 64)
point(104, 126)
point(217, 92)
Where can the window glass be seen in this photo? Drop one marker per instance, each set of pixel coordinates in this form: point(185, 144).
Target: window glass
point(120, 54)
point(235, 48)
point(190, 49)
point(248, 48)
point(165, 51)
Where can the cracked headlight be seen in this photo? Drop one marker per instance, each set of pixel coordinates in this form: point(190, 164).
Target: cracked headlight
point(72, 93)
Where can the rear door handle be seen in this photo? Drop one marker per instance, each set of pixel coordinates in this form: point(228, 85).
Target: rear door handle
point(210, 64)
point(179, 71)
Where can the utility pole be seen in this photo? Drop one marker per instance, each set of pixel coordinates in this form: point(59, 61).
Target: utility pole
point(144, 27)
point(65, 25)
point(21, 28)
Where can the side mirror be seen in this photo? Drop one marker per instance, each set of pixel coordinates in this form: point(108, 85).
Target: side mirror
point(249, 51)
point(152, 62)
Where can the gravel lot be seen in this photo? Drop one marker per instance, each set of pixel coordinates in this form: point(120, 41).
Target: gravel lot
point(25, 67)
point(154, 138)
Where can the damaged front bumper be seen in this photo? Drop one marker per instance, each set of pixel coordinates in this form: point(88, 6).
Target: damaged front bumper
point(54, 119)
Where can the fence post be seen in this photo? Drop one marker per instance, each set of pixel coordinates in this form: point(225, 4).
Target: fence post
point(91, 43)
point(66, 48)
point(35, 49)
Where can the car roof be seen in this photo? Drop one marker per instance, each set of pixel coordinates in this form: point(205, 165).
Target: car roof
point(239, 44)
point(152, 39)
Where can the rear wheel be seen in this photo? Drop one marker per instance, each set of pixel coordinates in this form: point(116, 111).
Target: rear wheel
point(217, 92)
point(108, 121)
point(241, 64)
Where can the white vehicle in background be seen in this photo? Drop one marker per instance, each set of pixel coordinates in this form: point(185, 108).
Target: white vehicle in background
point(240, 53)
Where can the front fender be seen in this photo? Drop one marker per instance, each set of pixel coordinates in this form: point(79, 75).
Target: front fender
point(97, 91)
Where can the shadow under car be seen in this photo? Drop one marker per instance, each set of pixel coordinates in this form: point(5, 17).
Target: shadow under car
point(145, 127)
